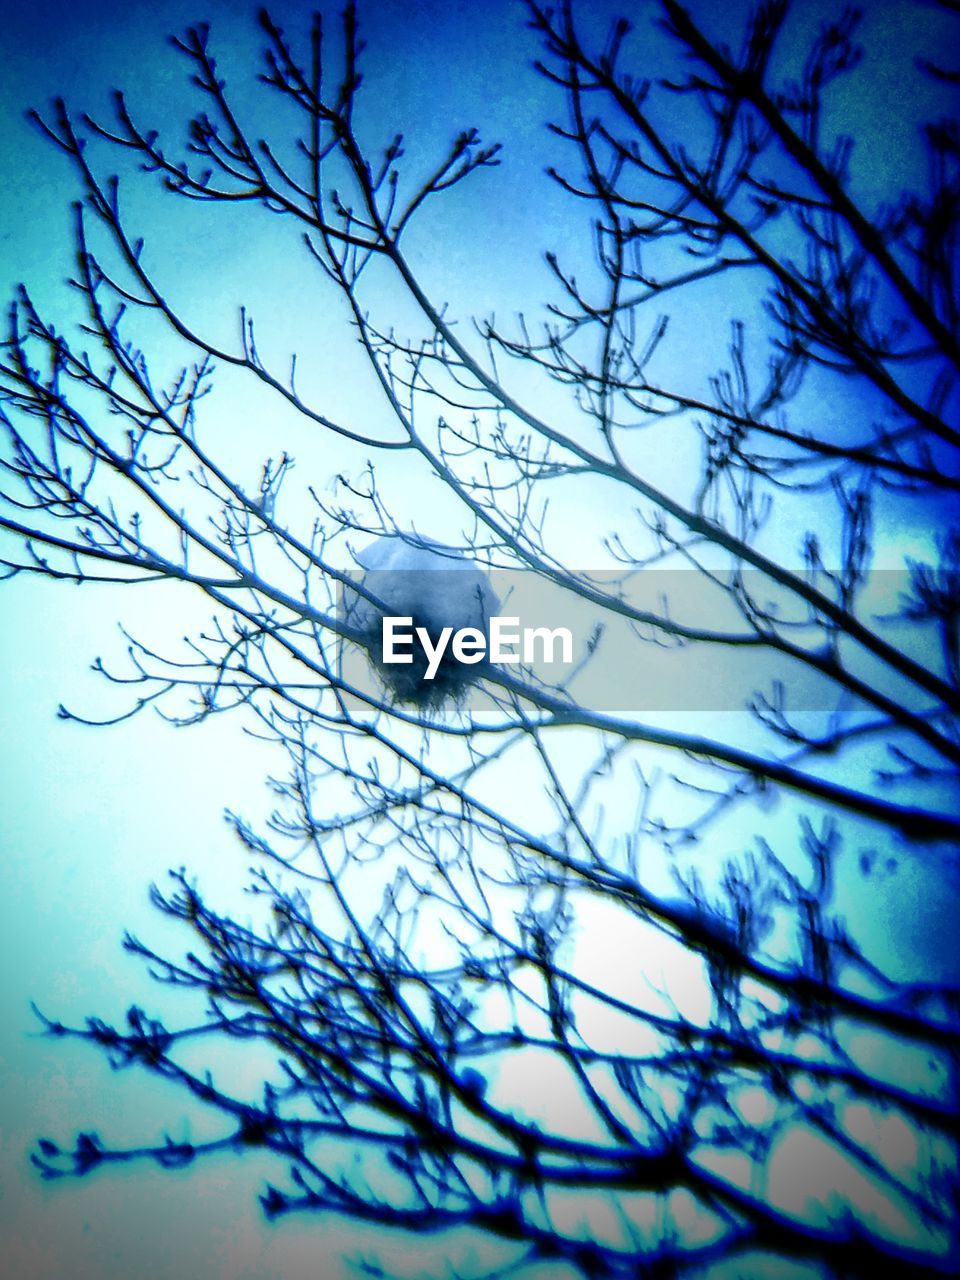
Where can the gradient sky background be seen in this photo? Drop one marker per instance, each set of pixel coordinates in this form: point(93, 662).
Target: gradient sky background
point(89, 818)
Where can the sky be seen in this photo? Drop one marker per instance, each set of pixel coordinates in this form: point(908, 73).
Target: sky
point(89, 818)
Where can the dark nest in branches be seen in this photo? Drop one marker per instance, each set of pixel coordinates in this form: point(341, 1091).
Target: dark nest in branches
point(406, 683)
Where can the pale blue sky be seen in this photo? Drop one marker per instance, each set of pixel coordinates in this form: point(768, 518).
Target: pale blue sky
point(88, 819)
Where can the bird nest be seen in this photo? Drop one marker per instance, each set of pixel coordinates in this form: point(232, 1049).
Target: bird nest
point(406, 683)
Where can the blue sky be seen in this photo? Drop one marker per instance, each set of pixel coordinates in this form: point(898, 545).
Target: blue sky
point(88, 819)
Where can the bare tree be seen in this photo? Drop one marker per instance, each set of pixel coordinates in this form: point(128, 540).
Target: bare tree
point(433, 892)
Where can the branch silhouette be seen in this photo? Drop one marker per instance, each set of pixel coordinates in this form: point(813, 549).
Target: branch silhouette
point(430, 896)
